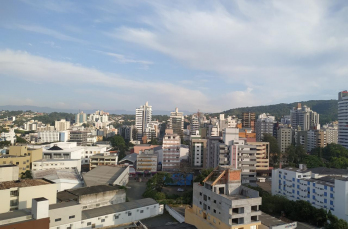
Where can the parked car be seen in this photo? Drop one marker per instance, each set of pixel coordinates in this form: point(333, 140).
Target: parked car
point(180, 190)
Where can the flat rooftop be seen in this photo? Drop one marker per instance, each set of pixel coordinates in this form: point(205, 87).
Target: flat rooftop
point(22, 183)
point(62, 205)
point(103, 175)
point(90, 190)
point(15, 214)
point(234, 197)
point(56, 160)
point(271, 221)
point(115, 208)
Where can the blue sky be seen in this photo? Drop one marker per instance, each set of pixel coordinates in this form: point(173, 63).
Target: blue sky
point(207, 55)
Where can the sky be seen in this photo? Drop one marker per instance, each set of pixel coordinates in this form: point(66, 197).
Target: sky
point(206, 55)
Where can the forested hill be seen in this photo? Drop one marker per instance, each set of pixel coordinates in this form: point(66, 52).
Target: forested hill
point(326, 108)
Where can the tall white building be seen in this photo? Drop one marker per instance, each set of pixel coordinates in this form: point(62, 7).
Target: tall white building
point(99, 116)
point(304, 118)
point(62, 125)
point(194, 125)
point(48, 136)
point(322, 187)
point(264, 125)
point(176, 121)
point(10, 136)
point(143, 116)
point(81, 118)
point(343, 118)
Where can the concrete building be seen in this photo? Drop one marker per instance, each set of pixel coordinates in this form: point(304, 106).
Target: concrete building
point(176, 122)
point(171, 151)
point(48, 136)
point(222, 202)
point(304, 118)
point(322, 187)
point(343, 118)
point(63, 151)
point(64, 178)
point(102, 159)
point(69, 214)
point(284, 137)
point(194, 124)
point(79, 136)
point(35, 218)
point(147, 162)
point(262, 155)
point(142, 147)
point(126, 132)
point(270, 222)
point(197, 152)
point(81, 118)
point(110, 175)
point(17, 195)
point(62, 125)
point(264, 125)
point(331, 133)
point(45, 164)
point(143, 116)
point(99, 116)
point(94, 197)
point(8, 173)
point(89, 151)
point(248, 120)
point(10, 136)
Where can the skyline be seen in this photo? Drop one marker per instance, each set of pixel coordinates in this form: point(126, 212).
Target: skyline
point(211, 56)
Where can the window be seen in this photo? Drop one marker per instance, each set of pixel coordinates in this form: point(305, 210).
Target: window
point(89, 224)
point(84, 207)
point(129, 213)
point(214, 211)
point(14, 193)
point(72, 216)
point(141, 211)
point(57, 220)
point(116, 216)
point(103, 220)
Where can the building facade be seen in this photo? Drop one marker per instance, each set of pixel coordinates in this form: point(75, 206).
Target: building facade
point(248, 120)
point(143, 116)
point(264, 125)
point(343, 118)
point(62, 125)
point(171, 151)
point(303, 118)
point(222, 202)
point(176, 122)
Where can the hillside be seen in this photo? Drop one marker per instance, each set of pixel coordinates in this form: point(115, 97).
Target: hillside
point(326, 108)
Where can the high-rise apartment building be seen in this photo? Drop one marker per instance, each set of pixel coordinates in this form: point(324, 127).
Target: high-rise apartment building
point(284, 137)
point(303, 118)
point(343, 118)
point(176, 122)
point(81, 118)
point(62, 125)
point(222, 202)
point(264, 125)
point(171, 151)
point(194, 125)
point(143, 116)
point(99, 116)
point(79, 136)
point(248, 120)
point(197, 152)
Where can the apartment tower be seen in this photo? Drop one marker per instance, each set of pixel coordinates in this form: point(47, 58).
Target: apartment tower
point(343, 118)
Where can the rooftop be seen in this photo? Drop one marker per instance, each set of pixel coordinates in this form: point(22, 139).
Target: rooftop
point(130, 157)
point(15, 214)
point(103, 175)
point(62, 205)
point(319, 170)
point(115, 208)
point(73, 193)
point(271, 221)
point(56, 160)
point(54, 174)
point(22, 183)
point(3, 166)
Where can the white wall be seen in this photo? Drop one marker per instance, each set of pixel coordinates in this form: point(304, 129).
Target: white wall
point(57, 164)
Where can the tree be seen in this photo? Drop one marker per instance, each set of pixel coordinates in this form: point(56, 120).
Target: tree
point(4, 143)
point(26, 175)
point(158, 181)
point(274, 148)
point(21, 140)
point(203, 174)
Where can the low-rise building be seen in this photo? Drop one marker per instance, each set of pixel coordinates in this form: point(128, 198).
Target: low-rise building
point(110, 175)
point(197, 152)
point(322, 187)
point(94, 196)
point(17, 195)
point(222, 202)
point(23, 162)
point(101, 159)
point(45, 164)
point(64, 178)
point(89, 151)
point(8, 136)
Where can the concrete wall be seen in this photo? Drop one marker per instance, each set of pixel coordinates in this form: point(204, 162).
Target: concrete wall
point(26, 194)
point(9, 173)
point(23, 162)
point(64, 214)
point(57, 164)
point(102, 199)
point(5, 200)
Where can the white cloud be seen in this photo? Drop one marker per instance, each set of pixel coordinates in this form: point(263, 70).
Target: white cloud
point(122, 59)
point(284, 50)
point(45, 31)
point(38, 69)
